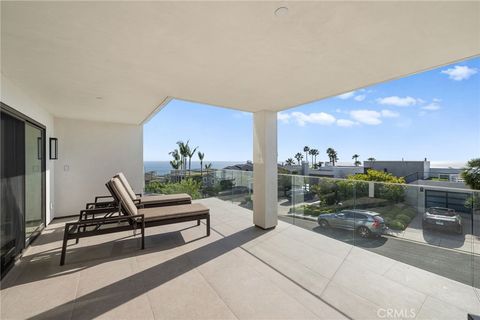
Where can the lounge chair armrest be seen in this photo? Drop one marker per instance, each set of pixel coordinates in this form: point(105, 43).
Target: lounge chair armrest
point(97, 221)
point(102, 197)
point(93, 205)
point(93, 211)
point(138, 194)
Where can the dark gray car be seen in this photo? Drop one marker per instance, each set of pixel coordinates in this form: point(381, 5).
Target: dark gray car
point(365, 222)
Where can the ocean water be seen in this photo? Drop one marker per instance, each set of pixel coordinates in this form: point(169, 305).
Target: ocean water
point(163, 167)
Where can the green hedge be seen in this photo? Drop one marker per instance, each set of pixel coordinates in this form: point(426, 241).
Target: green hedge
point(188, 186)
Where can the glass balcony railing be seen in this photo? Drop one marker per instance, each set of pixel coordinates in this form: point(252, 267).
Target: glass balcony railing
point(434, 228)
point(430, 227)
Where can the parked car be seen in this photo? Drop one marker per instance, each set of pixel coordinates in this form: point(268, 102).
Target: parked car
point(442, 219)
point(366, 223)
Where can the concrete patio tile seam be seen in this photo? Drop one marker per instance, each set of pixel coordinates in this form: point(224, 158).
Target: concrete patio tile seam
point(335, 273)
point(294, 282)
point(217, 293)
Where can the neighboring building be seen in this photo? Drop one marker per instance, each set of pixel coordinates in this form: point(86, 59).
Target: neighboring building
point(446, 174)
point(410, 170)
point(336, 171)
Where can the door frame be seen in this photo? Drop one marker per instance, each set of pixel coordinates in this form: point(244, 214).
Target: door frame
point(27, 120)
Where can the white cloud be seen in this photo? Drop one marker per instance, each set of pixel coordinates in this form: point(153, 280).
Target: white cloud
point(347, 95)
point(319, 118)
point(389, 113)
point(370, 117)
point(283, 117)
point(431, 106)
point(398, 101)
point(360, 97)
point(459, 73)
point(345, 123)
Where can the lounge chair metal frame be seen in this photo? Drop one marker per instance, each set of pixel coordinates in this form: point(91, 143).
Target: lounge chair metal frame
point(89, 218)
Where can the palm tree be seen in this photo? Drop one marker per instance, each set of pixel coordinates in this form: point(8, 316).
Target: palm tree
point(356, 156)
point(208, 167)
point(299, 157)
point(332, 155)
point(183, 150)
point(176, 163)
point(306, 149)
point(371, 159)
point(289, 162)
point(190, 154)
point(310, 152)
point(201, 155)
point(315, 153)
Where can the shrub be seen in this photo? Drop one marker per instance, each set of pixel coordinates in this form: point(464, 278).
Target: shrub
point(396, 224)
point(403, 218)
point(188, 186)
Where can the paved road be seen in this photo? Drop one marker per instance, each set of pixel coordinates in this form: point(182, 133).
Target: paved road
point(451, 264)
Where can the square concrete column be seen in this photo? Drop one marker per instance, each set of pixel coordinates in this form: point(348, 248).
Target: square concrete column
point(265, 199)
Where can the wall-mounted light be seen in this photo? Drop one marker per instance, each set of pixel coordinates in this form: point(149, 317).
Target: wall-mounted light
point(53, 149)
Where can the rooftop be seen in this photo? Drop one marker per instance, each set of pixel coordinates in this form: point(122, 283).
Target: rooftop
point(240, 271)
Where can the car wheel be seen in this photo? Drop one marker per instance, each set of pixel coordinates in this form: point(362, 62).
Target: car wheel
point(323, 223)
point(363, 232)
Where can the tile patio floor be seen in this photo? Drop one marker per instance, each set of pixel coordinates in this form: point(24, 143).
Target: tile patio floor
point(238, 272)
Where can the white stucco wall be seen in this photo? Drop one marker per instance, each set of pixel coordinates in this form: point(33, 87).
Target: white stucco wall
point(14, 97)
point(89, 153)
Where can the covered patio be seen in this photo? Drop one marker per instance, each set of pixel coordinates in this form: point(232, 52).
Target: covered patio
point(92, 73)
point(239, 272)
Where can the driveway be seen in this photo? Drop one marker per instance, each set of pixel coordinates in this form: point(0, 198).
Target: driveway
point(469, 241)
point(452, 264)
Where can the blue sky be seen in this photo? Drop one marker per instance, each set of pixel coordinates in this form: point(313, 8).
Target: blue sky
point(434, 114)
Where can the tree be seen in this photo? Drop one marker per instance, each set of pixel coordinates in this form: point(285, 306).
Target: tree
point(208, 167)
point(332, 155)
point(311, 152)
point(183, 150)
point(299, 157)
point(371, 159)
point(355, 157)
point(392, 190)
point(201, 155)
point(471, 174)
point(176, 163)
point(315, 153)
point(306, 149)
point(289, 162)
point(190, 154)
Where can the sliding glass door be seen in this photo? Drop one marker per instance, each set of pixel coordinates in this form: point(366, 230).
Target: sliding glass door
point(22, 153)
point(34, 198)
point(13, 193)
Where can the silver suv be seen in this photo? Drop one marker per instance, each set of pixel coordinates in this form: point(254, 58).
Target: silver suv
point(365, 222)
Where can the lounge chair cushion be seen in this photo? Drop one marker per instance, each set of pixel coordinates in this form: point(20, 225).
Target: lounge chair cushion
point(183, 210)
point(126, 185)
point(123, 196)
point(165, 198)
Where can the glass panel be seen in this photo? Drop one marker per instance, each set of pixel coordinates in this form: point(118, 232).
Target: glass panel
point(34, 142)
point(12, 191)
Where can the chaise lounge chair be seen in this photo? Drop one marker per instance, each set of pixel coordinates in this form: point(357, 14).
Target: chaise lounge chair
point(146, 201)
point(129, 217)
